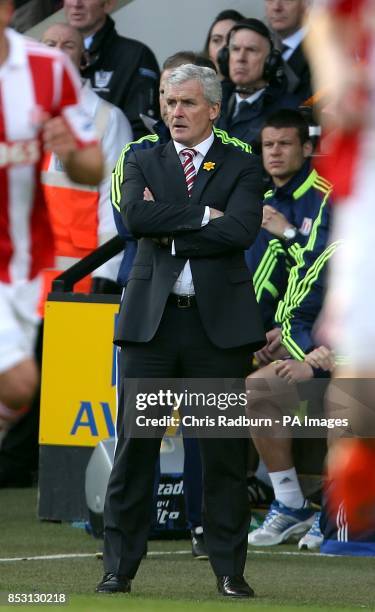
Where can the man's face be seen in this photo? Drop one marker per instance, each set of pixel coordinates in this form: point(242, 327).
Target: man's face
point(66, 39)
point(248, 51)
point(162, 101)
point(88, 16)
point(189, 115)
point(285, 16)
point(283, 153)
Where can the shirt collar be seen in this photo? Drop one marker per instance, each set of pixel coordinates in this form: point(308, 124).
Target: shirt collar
point(292, 185)
point(251, 99)
point(295, 39)
point(87, 41)
point(202, 148)
point(17, 54)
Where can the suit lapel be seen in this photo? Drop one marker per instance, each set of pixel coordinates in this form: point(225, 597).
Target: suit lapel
point(208, 168)
point(297, 61)
point(173, 172)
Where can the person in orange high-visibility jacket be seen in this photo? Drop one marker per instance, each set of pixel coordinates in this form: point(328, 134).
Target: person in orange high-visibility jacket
point(81, 216)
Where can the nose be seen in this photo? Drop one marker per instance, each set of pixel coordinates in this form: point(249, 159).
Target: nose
point(241, 55)
point(178, 110)
point(275, 149)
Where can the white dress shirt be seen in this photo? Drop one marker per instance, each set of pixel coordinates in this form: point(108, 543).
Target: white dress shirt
point(184, 284)
point(292, 42)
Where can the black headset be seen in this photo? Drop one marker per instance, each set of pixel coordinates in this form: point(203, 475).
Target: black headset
point(273, 65)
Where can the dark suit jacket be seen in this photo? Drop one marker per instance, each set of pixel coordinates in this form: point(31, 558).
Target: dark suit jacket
point(299, 65)
point(248, 122)
point(222, 282)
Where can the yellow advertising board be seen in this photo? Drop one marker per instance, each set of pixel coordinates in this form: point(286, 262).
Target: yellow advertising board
point(78, 401)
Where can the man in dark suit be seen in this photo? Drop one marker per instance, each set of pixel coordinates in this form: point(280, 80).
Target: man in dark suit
point(260, 87)
point(189, 311)
point(285, 18)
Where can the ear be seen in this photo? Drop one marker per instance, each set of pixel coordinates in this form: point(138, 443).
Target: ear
point(307, 148)
point(214, 111)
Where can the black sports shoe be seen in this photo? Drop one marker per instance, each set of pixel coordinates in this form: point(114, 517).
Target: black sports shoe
point(197, 544)
point(260, 495)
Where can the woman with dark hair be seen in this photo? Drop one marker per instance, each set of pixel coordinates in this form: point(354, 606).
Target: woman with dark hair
point(217, 34)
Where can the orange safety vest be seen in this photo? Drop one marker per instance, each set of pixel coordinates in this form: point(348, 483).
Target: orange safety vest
point(73, 211)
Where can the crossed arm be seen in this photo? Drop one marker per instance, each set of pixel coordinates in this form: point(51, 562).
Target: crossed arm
point(236, 228)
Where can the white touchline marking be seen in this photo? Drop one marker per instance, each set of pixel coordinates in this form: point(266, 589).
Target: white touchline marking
point(161, 553)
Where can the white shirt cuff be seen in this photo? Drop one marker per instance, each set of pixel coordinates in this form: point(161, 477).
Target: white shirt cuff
point(206, 216)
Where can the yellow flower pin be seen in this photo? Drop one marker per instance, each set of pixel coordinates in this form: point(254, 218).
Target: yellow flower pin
point(209, 166)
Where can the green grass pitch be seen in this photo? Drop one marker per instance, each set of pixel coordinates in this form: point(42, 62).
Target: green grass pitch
point(169, 580)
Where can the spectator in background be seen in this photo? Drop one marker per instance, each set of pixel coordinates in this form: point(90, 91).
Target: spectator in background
point(259, 87)
point(285, 18)
point(218, 33)
point(28, 73)
point(121, 70)
point(82, 218)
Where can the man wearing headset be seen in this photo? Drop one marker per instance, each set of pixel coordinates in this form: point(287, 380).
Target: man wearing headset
point(255, 68)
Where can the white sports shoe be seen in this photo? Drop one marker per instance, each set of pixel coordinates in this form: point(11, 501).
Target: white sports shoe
point(282, 523)
point(314, 537)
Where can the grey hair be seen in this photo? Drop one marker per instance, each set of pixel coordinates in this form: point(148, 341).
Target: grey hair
point(206, 76)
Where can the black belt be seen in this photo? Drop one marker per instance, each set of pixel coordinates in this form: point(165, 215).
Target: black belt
point(182, 301)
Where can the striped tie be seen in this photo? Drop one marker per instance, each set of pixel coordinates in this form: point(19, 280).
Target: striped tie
point(189, 169)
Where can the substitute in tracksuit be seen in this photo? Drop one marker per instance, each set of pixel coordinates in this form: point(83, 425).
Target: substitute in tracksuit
point(296, 212)
point(290, 515)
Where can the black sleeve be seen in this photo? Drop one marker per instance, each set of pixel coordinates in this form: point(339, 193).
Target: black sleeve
point(239, 226)
point(153, 219)
point(143, 93)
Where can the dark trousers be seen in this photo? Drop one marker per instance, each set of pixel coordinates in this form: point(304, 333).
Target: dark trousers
point(192, 460)
point(179, 348)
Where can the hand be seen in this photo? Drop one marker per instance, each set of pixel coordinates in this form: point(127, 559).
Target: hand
point(58, 138)
point(293, 371)
point(215, 214)
point(263, 356)
point(147, 195)
point(274, 222)
point(273, 339)
point(321, 357)
point(273, 349)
